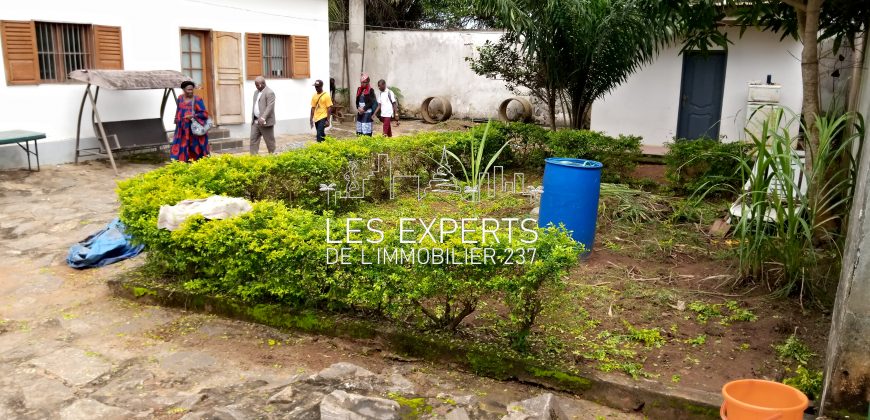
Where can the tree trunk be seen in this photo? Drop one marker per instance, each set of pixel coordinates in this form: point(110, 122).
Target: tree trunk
point(810, 76)
point(551, 108)
point(810, 107)
point(579, 108)
point(587, 118)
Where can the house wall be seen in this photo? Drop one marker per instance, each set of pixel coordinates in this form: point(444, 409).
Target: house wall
point(648, 103)
point(151, 41)
point(432, 63)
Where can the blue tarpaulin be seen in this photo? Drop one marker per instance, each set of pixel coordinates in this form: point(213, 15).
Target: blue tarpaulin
point(105, 247)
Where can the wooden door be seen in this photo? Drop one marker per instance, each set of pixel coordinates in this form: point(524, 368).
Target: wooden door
point(196, 64)
point(702, 89)
point(229, 106)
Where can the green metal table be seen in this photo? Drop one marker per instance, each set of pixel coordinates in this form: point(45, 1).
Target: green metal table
point(23, 136)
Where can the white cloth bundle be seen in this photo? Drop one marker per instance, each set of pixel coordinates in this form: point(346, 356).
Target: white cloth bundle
point(214, 207)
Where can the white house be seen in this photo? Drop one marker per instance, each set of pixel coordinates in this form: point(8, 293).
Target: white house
point(682, 96)
point(220, 44)
point(649, 103)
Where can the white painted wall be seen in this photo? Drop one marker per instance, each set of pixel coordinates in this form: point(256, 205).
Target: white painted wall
point(647, 104)
point(150, 33)
point(426, 63)
point(432, 63)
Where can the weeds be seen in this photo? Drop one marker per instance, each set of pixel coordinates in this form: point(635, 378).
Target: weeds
point(649, 337)
point(738, 313)
point(795, 350)
point(792, 350)
point(705, 311)
point(697, 341)
point(796, 203)
point(807, 381)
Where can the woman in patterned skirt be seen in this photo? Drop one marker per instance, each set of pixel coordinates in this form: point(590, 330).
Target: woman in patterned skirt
point(366, 102)
point(186, 146)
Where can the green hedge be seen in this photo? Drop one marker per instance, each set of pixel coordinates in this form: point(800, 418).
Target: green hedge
point(705, 166)
point(618, 154)
point(276, 252)
point(531, 144)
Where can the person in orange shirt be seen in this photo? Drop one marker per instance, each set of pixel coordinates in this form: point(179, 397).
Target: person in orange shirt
point(321, 109)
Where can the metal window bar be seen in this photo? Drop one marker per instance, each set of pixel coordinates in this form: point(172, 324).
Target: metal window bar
point(76, 52)
point(62, 48)
point(45, 51)
point(275, 55)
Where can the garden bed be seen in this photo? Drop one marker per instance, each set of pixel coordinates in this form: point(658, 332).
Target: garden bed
point(657, 300)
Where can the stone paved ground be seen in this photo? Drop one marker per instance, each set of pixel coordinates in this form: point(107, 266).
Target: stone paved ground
point(70, 350)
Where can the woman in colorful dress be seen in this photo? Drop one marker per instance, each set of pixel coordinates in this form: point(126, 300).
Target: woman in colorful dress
point(366, 102)
point(186, 146)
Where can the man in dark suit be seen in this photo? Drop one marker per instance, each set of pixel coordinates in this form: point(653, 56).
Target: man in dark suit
point(263, 117)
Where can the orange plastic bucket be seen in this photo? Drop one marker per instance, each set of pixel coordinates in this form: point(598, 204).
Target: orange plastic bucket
point(754, 399)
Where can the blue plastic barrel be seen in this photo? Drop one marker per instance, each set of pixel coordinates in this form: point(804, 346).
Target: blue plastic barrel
point(570, 197)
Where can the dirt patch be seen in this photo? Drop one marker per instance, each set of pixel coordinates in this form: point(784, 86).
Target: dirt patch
point(347, 128)
point(651, 172)
point(674, 316)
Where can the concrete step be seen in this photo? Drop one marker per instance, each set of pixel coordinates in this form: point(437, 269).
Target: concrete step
point(226, 145)
point(216, 133)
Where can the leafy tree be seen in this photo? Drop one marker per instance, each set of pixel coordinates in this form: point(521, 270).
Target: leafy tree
point(584, 48)
point(522, 73)
point(411, 14)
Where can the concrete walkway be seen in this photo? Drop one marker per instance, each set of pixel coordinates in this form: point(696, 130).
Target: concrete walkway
point(70, 350)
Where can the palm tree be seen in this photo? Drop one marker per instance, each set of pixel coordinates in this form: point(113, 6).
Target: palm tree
point(585, 47)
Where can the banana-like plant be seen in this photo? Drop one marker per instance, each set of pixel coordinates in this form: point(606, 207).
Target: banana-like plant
point(475, 173)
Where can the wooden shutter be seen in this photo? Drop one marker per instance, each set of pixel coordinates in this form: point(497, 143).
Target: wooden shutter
point(253, 55)
point(300, 56)
point(19, 52)
point(108, 50)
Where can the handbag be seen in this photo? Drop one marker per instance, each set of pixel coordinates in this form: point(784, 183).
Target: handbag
point(197, 128)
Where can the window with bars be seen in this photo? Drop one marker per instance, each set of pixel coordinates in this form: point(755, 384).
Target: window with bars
point(275, 61)
point(62, 48)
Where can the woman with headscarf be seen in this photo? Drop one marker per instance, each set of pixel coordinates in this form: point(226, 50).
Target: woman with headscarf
point(366, 102)
point(187, 146)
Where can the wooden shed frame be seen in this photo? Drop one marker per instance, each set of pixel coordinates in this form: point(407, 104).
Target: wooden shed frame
point(167, 80)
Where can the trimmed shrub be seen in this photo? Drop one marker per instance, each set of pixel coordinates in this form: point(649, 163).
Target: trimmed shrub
point(276, 252)
point(531, 144)
point(705, 165)
point(619, 155)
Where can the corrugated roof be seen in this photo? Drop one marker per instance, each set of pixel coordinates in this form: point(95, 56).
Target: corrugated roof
point(130, 79)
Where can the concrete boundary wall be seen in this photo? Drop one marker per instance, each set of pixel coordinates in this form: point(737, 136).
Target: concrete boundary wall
point(426, 63)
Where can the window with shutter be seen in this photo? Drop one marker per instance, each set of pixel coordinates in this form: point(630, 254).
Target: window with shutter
point(276, 64)
point(268, 55)
point(19, 52)
point(253, 55)
point(40, 52)
point(62, 48)
point(301, 57)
